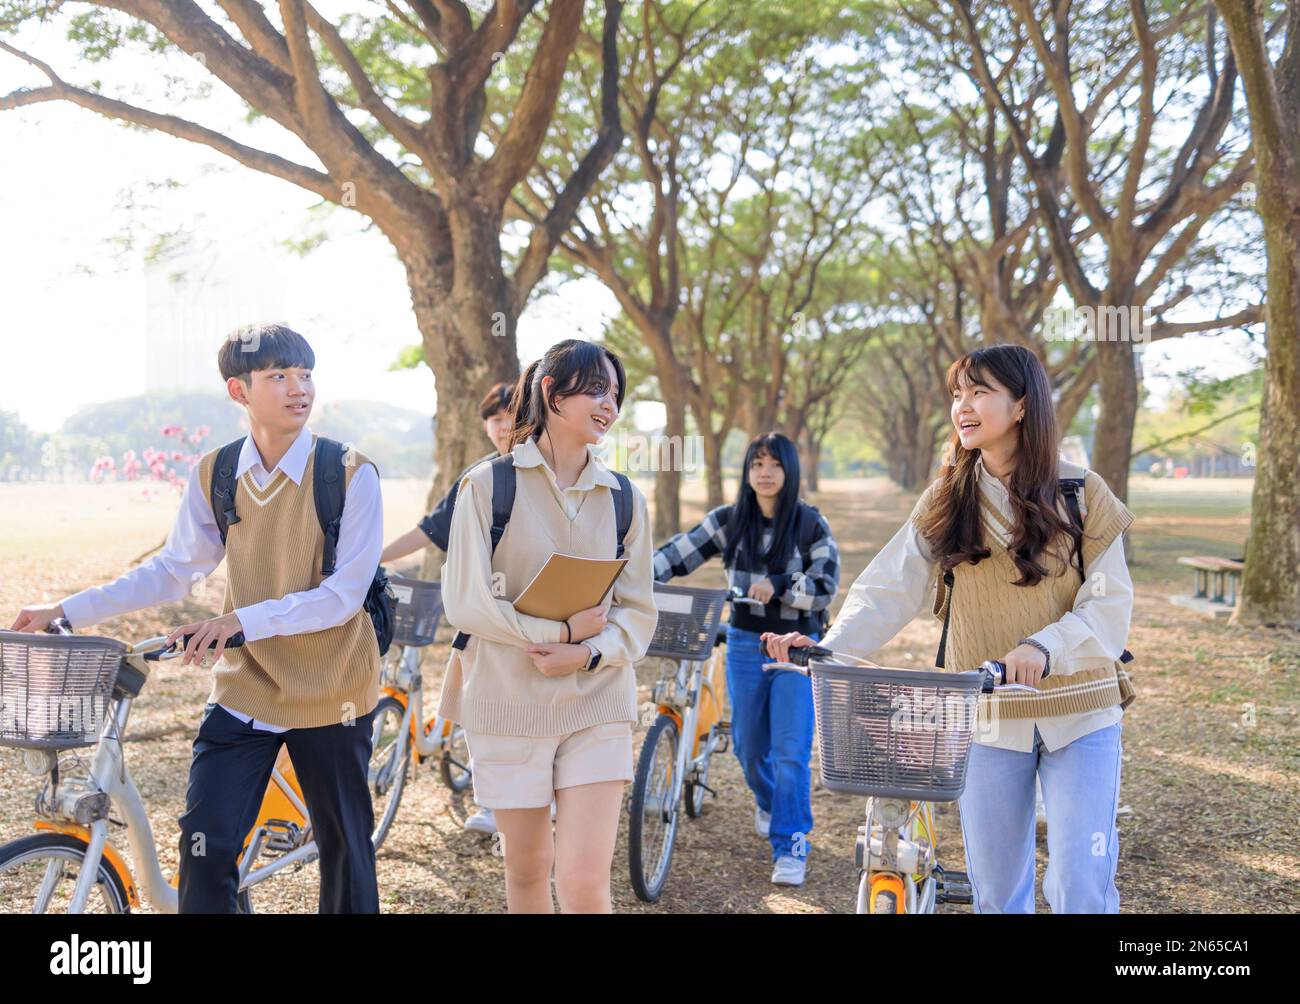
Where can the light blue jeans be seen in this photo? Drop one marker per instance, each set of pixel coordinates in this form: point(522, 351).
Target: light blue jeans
point(1080, 792)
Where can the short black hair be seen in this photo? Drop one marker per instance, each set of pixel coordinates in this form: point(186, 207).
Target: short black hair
point(263, 347)
point(495, 401)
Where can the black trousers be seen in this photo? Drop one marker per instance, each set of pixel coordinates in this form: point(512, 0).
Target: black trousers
point(229, 772)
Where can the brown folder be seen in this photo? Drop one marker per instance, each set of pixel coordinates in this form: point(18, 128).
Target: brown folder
point(567, 584)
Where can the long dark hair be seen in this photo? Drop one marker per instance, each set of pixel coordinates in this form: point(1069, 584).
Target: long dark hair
point(745, 526)
point(952, 525)
point(578, 368)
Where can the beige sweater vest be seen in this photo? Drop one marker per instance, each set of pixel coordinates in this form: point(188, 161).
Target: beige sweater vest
point(990, 614)
point(494, 688)
point(301, 680)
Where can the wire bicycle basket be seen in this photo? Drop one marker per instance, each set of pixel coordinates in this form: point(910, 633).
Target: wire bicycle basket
point(688, 622)
point(417, 611)
point(55, 689)
point(894, 733)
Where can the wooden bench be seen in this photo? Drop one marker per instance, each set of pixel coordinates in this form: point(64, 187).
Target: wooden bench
point(1226, 573)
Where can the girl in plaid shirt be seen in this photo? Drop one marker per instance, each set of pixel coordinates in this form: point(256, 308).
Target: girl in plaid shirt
point(779, 550)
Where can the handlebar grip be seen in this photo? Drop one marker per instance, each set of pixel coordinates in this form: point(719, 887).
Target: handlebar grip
point(800, 655)
point(234, 641)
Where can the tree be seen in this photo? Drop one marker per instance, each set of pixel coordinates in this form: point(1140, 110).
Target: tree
point(1146, 204)
point(1270, 587)
point(416, 122)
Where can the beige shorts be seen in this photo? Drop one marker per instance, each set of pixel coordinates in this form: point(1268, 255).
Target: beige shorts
point(522, 772)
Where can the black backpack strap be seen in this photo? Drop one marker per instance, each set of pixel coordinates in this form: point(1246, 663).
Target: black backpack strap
point(503, 503)
point(947, 613)
point(329, 485)
point(622, 509)
point(1072, 490)
point(221, 491)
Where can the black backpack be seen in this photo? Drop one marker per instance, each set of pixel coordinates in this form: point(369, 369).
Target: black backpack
point(503, 502)
point(1071, 491)
point(328, 487)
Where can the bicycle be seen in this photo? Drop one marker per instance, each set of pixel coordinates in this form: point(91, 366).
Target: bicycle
point(901, 737)
point(418, 610)
point(60, 692)
point(689, 698)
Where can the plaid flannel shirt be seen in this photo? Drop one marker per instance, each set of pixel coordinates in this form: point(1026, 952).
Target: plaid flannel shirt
point(803, 590)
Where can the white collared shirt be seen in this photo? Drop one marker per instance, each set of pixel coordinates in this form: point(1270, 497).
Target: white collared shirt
point(898, 586)
point(194, 548)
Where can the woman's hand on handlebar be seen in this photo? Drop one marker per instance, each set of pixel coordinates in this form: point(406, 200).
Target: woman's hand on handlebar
point(762, 590)
point(1025, 665)
point(778, 645)
point(586, 624)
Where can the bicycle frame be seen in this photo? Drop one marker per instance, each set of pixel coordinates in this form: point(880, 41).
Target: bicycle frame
point(680, 695)
point(109, 775)
point(406, 685)
point(898, 841)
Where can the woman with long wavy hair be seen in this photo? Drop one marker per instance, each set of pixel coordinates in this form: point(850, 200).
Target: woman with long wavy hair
point(994, 542)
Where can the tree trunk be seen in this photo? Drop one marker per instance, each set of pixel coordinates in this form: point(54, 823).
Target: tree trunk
point(1117, 387)
point(672, 456)
point(713, 461)
point(468, 336)
point(1270, 587)
point(813, 450)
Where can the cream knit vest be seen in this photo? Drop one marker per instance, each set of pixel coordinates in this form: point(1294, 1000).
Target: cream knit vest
point(494, 688)
point(300, 680)
point(990, 614)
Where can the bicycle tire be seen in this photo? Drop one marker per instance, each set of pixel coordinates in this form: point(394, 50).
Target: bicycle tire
point(453, 765)
point(72, 849)
point(649, 887)
point(391, 708)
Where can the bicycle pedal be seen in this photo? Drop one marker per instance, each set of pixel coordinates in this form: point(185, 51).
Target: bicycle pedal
point(282, 835)
point(952, 887)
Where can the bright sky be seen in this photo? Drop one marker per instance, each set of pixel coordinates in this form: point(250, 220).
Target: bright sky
point(80, 325)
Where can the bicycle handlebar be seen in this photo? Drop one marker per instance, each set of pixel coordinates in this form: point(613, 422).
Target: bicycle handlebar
point(234, 641)
point(994, 670)
point(61, 626)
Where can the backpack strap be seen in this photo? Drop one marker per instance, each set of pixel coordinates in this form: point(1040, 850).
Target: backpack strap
point(948, 580)
point(329, 485)
point(622, 509)
point(503, 503)
point(221, 491)
point(1072, 491)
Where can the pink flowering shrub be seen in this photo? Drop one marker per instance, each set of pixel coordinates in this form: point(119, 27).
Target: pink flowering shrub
point(156, 464)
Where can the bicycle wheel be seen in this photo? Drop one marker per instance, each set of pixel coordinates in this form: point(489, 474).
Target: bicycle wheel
point(652, 828)
point(390, 756)
point(48, 864)
point(453, 765)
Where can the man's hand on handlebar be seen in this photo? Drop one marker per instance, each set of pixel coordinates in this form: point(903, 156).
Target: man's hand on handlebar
point(200, 635)
point(37, 617)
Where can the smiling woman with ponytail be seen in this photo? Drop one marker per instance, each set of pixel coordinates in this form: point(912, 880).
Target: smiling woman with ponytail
point(548, 706)
point(994, 543)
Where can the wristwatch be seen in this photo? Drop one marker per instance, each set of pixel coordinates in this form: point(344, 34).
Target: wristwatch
point(595, 658)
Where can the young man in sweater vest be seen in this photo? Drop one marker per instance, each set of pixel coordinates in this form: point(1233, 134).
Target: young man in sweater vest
point(307, 675)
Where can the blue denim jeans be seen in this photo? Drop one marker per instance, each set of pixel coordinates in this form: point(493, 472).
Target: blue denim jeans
point(771, 731)
point(1080, 792)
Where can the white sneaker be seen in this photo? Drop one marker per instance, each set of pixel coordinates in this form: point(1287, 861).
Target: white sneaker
point(789, 870)
point(481, 822)
point(762, 822)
